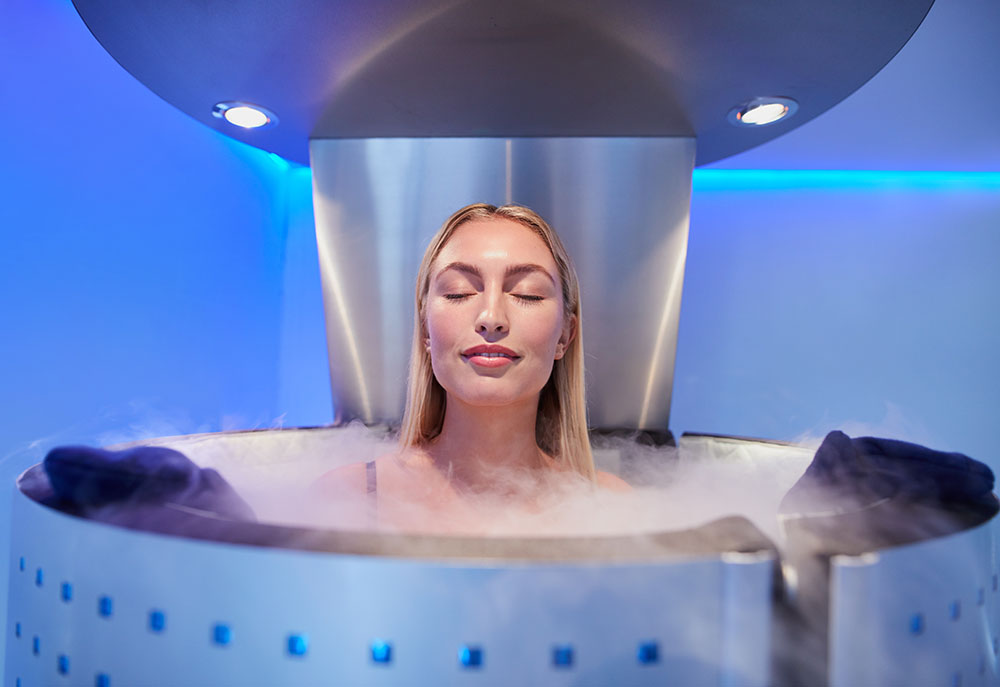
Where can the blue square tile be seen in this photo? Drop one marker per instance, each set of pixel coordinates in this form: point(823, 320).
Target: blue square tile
point(39, 577)
point(298, 645)
point(62, 664)
point(157, 621)
point(562, 656)
point(21, 563)
point(955, 610)
point(17, 630)
point(36, 645)
point(66, 592)
point(917, 624)
point(102, 680)
point(649, 652)
point(470, 656)
point(381, 652)
point(105, 606)
point(221, 634)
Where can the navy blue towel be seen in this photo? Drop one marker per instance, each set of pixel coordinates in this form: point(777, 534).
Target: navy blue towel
point(88, 478)
point(851, 473)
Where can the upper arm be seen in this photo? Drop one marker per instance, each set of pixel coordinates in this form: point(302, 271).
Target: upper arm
point(612, 482)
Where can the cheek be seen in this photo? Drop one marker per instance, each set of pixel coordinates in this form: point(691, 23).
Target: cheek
point(544, 331)
point(440, 329)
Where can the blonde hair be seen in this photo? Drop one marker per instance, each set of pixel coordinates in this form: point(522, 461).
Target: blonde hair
point(561, 424)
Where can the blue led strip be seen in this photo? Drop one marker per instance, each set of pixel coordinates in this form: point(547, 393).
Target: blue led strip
point(706, 180)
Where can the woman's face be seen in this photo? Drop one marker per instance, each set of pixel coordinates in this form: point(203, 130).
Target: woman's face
point(494, 314)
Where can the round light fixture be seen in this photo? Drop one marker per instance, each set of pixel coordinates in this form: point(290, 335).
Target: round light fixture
point(761, 111)
point(244, 115)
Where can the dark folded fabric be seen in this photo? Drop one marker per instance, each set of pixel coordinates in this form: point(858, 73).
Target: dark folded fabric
point(857, 496)
point(849, 474)
point(85, 479)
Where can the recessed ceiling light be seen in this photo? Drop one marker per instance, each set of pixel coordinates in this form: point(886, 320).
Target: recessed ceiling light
point(244, 115)
point(761, 111)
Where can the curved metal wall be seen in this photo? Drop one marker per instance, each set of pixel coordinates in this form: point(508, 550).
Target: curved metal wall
point(619, 204)
point(93, 604)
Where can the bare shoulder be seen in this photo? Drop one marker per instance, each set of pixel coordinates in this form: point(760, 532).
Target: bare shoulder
point(346, 479)
point(353, 478)
point(611, 482)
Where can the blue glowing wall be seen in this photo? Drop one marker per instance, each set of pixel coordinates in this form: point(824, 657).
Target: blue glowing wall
point(863, 300)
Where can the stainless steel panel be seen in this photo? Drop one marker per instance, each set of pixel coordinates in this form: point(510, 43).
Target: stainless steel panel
point(620, 205)
point(709, 615)
point(923, 614)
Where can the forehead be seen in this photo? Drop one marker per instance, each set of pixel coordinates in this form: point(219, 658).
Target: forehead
point(487, 242)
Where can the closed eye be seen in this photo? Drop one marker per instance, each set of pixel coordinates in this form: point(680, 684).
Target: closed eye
point(456, 296)
point(529, 298)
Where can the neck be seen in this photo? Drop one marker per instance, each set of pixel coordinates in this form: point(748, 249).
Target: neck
point(477, 441)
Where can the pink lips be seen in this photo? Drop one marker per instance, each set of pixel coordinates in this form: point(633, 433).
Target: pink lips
point(488, 355)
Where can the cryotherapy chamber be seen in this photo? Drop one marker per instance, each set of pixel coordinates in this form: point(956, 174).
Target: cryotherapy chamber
point(594, 114)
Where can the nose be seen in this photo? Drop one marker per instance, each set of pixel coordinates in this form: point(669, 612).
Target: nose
point(492, 321)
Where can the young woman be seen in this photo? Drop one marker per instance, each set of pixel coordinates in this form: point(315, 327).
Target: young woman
point(495, 417)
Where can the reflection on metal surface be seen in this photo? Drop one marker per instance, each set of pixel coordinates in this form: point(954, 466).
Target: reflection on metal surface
point(923, 614)
point(619, 204)
point(519, 68)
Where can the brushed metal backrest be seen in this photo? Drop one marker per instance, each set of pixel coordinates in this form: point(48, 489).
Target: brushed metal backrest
point(621, 206)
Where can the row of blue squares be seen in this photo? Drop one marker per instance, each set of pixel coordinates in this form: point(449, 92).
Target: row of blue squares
point(562, 656)
point(66, 592)
point(221, 634)
point(470, 656)
point(102, 680)
point(298, 645)
point(63, 664)
point(955, 610)
point(157, 621)
point(17, 630)
point(105, 606)
point(38, 577)
point(917, 623)
point(36, 645)
point(649, 652)
point(21, 564)
point(381, 651)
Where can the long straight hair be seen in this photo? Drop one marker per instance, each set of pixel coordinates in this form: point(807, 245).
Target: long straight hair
point(561, 423)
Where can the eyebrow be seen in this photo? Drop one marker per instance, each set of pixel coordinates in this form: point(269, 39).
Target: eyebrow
point(512, 270)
